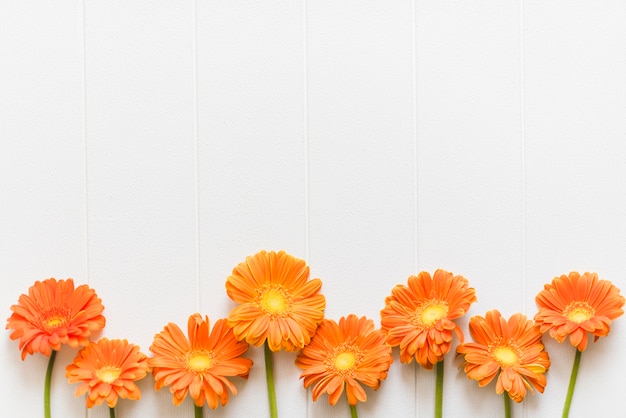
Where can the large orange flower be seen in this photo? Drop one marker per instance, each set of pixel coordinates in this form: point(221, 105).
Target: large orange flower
point(201, 364)
point(345, 354)
point(576, 305)
point(107, 370)
point(54, 313)
point(419, 317)
point(511, 348)
point(278, 303)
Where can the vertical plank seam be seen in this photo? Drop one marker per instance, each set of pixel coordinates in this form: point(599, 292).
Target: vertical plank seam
point(415, 141)
point(305, 134)
point(85, 154)
point(523, 165)
point(305, 127)
point(523, 153)
point(415, 174)
point(85, 147)
point(196, 152)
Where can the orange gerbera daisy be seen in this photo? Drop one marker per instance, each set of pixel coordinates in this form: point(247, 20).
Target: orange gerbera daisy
point(345, 354)
point(54, 313)
point(511, 348)
point(419, 317)
point(201, 364)
point(107, 370)
point(576, 305)
point(278, 303)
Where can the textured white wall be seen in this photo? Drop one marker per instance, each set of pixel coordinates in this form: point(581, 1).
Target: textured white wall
point(147, 147)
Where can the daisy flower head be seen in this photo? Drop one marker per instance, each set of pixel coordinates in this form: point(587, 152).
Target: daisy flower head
point(511, 350)
point(345, 354)
point(419, 317)
point(55, 313)
point(278, 304)
point(107, 370)
point(201, 364)
point(576, 305)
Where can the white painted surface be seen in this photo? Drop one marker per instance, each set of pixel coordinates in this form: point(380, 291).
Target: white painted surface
point(146, 148)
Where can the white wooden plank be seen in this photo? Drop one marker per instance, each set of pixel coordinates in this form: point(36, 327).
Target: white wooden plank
point(141, 175)
point(361, 170)
point(42, 182)
point(575, 92)
point(470, 170)
point(252, 165)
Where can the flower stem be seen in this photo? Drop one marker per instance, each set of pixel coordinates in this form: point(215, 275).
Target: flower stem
point(572, 384)
point(507, 405)
point(353, 413)
point(197, 411)
point(439, 391)
point(111, 412)
point(269, 376)
point(46, 388)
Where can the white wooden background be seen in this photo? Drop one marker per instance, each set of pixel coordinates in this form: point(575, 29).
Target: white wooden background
point(147, 147)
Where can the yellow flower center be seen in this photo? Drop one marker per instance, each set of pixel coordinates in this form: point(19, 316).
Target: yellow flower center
point(54, 318)
point(433, 313)
point(108, 374)
point(579, 312)
point(274, 301)
point(55, 321)
point(345, 360)
point(200, 361)
point(505, 355)
point(429, 313)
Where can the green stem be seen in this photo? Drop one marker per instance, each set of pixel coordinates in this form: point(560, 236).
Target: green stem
point(197, 411)
point(507, 405)
point(111, 412)
point(269, 376)
point(439, 391)
point(572, 384)
point(353, 413)
point(46, 388)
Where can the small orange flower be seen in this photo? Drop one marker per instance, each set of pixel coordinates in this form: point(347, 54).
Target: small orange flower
point(107, 370)
point(419, 317)
point(201, 364)
point(576, 305)
point(277, 301)
point(347, 354)
point(511, 348)
point(54, 313)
